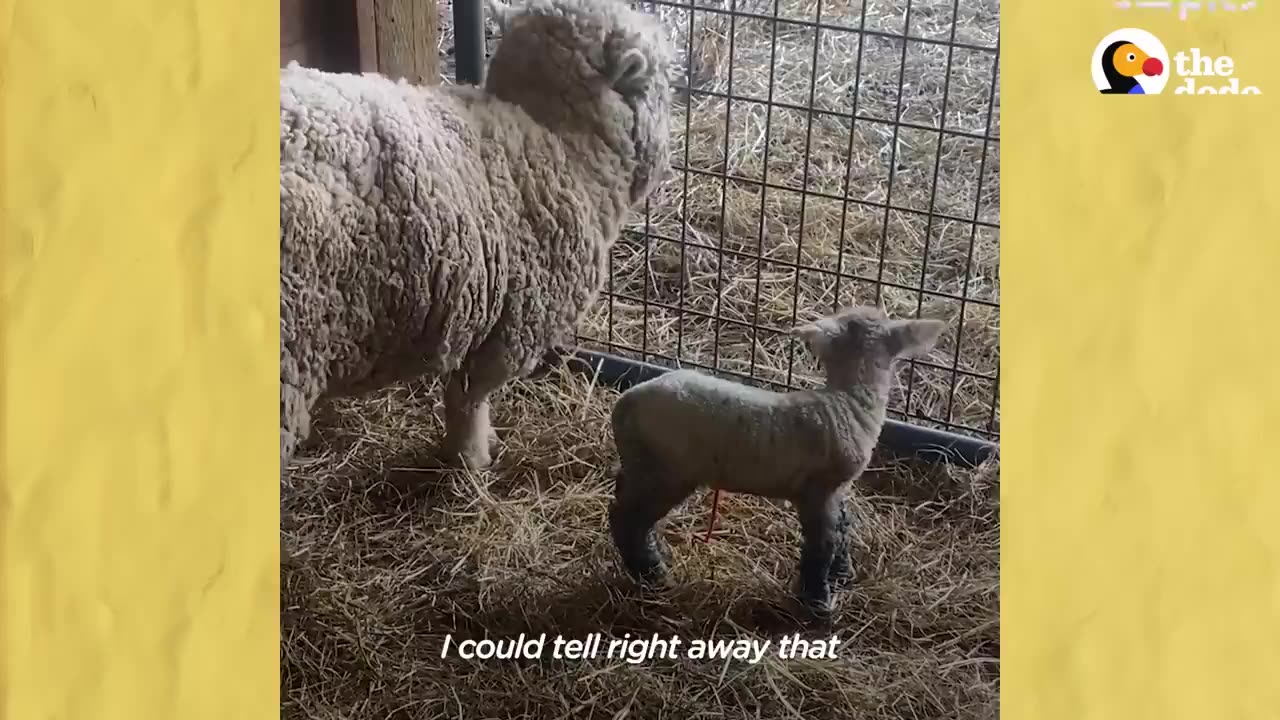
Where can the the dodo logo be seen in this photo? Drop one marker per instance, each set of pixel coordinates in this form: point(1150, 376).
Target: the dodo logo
point(1130, 62)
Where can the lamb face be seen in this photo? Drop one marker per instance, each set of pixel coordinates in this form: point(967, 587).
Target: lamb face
point(858, 346)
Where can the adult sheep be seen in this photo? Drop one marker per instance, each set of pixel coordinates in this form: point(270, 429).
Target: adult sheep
point(460, 232)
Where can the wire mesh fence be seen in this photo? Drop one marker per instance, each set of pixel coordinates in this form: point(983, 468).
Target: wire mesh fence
point(825, 152)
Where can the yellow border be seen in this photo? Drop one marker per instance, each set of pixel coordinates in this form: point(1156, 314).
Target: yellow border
point(1141, 393)
point(140, 509)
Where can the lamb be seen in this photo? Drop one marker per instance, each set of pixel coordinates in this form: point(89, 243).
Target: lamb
point(460, 232)
point(686, 430)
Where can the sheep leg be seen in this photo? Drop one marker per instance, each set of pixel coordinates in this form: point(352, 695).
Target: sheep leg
point(469, 436)
point(295, 410)
point(841, 568)
point(819, 522)
point(633, 515)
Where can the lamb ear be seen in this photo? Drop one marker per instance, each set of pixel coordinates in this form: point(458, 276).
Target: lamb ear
point(811, 334)
point(629, 70)
point(914, 337)
point(807, 331)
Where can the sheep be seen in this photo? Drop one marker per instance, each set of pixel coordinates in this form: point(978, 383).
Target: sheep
point(685, 430)
point(459, 233)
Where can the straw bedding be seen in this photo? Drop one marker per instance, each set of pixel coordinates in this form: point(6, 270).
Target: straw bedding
point(385, 556)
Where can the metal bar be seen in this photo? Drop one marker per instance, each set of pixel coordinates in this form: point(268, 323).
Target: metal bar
point(684, 190)
point(724, 183)
point(468, 41)
point(764, 190)
point(838, 113)
point(828, 196)
point(766, 328)
point(804, 192)
point(933, 200)
point(671, 363)
point(848, 155)
point(648, 266)
point(825, 26)
point(789, 265)
point(893, 159)
point(900, 437)
point(973, 237)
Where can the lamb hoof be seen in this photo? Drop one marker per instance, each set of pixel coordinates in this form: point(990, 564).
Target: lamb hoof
point(647, 567)
point(815, 597)
point(652, 576)
point(841, 573)
point(819, 605)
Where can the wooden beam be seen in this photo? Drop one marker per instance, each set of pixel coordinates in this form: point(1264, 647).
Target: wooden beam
point(367, 35)
point(426, 22)
point(406, 39)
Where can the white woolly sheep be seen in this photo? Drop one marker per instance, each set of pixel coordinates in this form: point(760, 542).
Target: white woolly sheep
point(685, 430)
point(459, 232)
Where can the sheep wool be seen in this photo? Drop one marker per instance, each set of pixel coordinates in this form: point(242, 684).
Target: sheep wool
point(685, 430)
point(460, 232)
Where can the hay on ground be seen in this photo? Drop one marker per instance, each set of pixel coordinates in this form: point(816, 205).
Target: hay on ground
point(389, 558)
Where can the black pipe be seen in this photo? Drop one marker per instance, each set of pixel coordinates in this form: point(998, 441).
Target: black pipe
point(468, 41)
point(898, 437)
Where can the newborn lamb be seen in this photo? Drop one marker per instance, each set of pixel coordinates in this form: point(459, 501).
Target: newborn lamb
point(686, 430)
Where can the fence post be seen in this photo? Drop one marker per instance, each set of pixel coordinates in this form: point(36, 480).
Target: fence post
point(468, 41)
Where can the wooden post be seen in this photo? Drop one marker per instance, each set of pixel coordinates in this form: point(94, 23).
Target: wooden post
point(400, 39)
point(367, 35)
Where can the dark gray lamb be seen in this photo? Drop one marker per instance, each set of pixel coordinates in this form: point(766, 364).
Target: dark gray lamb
point(685, 430)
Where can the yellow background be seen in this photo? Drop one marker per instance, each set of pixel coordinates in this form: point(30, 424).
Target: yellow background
point(1140, 259)
point(1141, 400)
point(140, 511)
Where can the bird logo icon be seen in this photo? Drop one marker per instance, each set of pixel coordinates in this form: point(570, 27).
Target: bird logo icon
point(1130, 62)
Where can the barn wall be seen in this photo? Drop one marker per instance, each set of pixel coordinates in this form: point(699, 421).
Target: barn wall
point(398, 38)
point(320, 33)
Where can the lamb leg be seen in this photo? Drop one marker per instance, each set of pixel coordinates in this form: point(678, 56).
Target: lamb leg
point(637, 507)
point(841, 566)
point(819, 522)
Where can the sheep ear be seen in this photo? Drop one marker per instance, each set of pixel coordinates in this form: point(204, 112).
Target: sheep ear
point(914, 337)
point(629, 71)
point(500, 12)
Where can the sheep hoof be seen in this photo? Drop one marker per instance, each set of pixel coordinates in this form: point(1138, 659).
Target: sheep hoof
point(477, 459)
point(471, 458)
